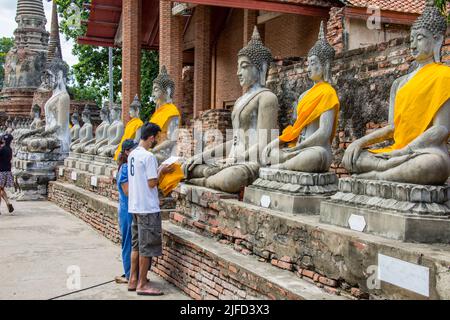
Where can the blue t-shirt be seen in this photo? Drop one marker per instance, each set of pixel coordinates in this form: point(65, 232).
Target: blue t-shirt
point(122, 177)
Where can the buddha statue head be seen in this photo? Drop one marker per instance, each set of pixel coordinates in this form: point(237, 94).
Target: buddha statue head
point(115, 112)
point(163, 88)
point(57, 71)
point(75, 118)
point(135, 107)
point(104, 113)
point(428, 33)
point(253, 62)
point(86, 115)
point(320, 58)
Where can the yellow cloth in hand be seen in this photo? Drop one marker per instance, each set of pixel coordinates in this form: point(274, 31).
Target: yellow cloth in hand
point(170, 181)
point(163, 114)
point(417, 103)
point(130, 133)
point(321, 98)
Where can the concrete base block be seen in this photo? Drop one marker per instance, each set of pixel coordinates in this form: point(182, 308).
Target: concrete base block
point(305, 204)
point(389, 224)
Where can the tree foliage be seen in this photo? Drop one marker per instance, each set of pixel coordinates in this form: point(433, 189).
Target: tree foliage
point(90, 76)
point(443, 6)
point(5, 45)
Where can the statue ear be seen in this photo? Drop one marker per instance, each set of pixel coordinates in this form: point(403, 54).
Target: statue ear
point(327, 72)
point(438, 40)
point(263, 74)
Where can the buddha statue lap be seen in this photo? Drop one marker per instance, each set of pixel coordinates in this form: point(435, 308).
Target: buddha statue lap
point(419, 117)
point(85, 132)
point(306, 145)
point(114, 133)
point(253, 113)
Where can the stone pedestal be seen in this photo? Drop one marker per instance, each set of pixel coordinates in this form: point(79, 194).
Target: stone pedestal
point(291, 191)
point(33, 172)
point(407, 212)
point(97, 165)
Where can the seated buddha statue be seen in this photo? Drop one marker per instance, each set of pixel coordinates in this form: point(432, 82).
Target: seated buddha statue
point(37, 121)
point(114, 133)
point(133, 127)
point(419, 116)
point(167, 117)
point(75, 129)
point(101, 133)
point(254, 116)
point(55, 134)
point(306, 145)
point(85, 132)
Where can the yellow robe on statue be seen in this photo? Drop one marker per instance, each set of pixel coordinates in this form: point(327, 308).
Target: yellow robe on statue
point(417, 103)
point(130, 133)
point(319, 99)
point(161, 117)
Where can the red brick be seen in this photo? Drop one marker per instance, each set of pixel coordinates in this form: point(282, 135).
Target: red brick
point(328, 282)
point(308, 273)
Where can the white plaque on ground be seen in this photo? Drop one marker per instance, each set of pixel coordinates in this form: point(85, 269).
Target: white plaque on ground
point(73, 175)
point(61, 171)
point(404, 274)
point(114, 174)
point(265, 201)
point(94, 181)
point(357, 222)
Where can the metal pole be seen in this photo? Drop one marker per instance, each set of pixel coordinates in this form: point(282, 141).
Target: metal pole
point(111, 78)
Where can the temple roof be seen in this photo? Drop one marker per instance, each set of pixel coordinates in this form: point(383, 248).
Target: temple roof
point(54, 35)
point(406, 6)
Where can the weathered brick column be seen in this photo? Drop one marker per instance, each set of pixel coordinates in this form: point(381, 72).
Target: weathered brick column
point(171, 46)
point(131, 54)
point(202, 66)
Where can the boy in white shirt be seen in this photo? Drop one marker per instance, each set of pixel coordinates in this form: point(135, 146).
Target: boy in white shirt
point(143, 204)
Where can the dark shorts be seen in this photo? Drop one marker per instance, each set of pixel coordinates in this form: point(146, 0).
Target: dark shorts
point(146, 234)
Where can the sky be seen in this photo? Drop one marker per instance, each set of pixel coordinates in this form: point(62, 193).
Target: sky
point(8, 25)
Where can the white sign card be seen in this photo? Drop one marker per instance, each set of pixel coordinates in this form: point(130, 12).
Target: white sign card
point(94, 181)
point(265, 201)
point(357, 222)
point(404, 274)
point(74, 175)
point(61, 171)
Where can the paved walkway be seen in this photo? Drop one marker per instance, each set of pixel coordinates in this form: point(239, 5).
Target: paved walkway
point(40, 243)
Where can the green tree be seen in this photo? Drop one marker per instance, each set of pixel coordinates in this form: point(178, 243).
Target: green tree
point(5, 45)
point(443, 5)
point(90, 76)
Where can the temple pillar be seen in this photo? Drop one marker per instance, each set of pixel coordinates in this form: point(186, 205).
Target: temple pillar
point(250, 21)
point(131, 54)
point(202, 64)
point(171, 47)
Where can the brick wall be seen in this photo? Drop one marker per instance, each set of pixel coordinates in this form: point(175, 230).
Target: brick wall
point(227, 88)
point(291, 35)
point(187, 107)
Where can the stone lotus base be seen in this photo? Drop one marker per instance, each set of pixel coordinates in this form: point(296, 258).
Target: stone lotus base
point(291, 191)
point(33, 172)
point(407, 212)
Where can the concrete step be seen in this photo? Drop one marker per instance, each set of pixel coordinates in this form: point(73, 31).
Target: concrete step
point(204, 268)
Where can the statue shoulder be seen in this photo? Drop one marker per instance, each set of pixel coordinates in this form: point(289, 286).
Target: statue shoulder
point(268, 97)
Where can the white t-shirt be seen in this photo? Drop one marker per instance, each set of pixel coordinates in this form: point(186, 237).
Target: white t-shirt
point(142, 166)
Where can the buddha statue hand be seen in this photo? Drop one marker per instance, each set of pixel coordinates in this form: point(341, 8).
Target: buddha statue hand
point(190, 163)
point(351, 155)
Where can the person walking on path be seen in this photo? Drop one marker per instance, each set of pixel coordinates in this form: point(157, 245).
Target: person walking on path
point(125, 218)
point(6, 177)
point(143, 203)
